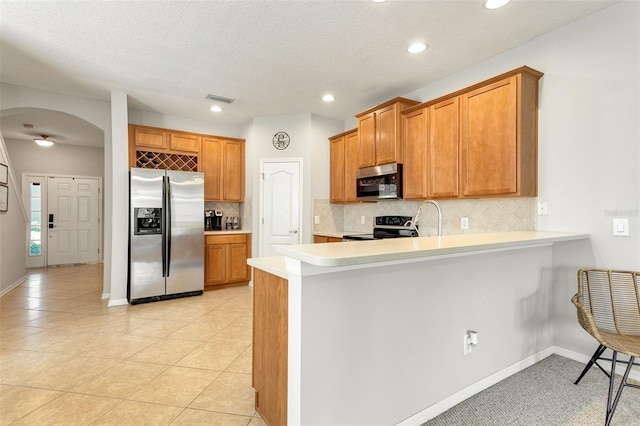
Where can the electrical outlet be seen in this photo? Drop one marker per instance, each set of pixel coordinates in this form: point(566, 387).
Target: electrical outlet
point(543, 208)
point(470, 341)
point(362, 219)
point(316, 220)
point(467, 348)
point(464, 222)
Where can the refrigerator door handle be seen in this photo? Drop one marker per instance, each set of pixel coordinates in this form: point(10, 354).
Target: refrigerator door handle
point(168, 225)
point(163, 226)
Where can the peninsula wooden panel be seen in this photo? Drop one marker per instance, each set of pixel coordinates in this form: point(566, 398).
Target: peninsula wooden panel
point(270, 346)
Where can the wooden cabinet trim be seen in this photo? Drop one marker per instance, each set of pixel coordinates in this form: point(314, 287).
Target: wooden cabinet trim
point(400, 100)
point(523, 70)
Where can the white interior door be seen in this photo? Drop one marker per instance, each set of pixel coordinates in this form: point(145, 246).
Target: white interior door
point(280, 205)
point(72, 220)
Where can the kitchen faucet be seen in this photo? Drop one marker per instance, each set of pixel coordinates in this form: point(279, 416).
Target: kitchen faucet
point(414, 223)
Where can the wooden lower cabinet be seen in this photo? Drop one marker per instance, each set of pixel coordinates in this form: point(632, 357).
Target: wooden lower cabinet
point(324, 239)
point(226, 259)
point(270, 346)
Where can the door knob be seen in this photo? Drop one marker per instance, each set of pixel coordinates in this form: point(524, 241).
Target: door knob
point(293, 231)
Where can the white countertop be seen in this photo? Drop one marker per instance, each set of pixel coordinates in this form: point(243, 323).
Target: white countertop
point(362, 252)
point(227, 232)
point(274, 265)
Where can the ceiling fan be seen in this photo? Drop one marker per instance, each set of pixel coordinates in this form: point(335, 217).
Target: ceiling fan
point(44, 141)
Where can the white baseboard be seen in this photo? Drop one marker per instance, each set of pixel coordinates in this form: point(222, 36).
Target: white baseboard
point(458, 397)
point(118, 302)
point(634, 374)
point(105, 296)
point(14, 285)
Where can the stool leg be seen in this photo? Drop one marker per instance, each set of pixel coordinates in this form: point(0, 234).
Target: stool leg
point(594, 358)
point(611, 408)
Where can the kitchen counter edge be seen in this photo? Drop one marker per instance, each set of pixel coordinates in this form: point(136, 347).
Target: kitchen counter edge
point(396, 249)
point(274, 265)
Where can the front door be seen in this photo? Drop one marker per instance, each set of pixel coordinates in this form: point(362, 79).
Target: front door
point(72, 220)
point(280, 213)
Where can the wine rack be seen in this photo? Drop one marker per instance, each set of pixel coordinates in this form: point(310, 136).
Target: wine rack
point(166, 161)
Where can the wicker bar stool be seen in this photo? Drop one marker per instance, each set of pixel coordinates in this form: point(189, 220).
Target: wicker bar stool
point(608, 304)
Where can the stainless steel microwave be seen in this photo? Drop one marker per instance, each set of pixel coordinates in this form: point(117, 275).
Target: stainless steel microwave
point(379, 182)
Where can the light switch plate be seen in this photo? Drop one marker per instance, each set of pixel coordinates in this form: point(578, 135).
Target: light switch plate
point(621, 227)
point(316, 220)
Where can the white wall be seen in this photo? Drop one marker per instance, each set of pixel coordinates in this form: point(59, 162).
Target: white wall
point(27, 157)
point(588, 125)
point(309, 141)
point(13, 222)
point(589, 150)
point(90, 110)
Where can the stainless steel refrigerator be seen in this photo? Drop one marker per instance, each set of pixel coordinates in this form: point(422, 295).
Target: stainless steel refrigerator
point(166, 240)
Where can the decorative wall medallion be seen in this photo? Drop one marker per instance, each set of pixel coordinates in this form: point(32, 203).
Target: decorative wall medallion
point(281, 140)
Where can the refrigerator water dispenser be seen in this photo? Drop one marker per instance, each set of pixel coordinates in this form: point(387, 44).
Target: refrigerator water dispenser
point(148, 221)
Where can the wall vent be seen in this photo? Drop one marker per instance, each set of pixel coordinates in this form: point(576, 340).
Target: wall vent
point(219, 98)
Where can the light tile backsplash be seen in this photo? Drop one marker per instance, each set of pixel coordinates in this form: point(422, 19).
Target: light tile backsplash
point(485, 215)
point(240, 210)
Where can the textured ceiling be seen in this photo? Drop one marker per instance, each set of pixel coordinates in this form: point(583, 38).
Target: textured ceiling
point(272, 57)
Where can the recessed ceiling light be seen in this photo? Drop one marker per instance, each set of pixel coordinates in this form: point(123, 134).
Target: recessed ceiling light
point(378, 1)
point(495, 4)
point(328, 98)
point(416, 47)
point(215, 108)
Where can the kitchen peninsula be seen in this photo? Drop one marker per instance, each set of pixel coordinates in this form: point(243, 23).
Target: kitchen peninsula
point(372, 332)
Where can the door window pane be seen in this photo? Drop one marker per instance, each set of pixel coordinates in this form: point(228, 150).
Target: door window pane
point(35, 238)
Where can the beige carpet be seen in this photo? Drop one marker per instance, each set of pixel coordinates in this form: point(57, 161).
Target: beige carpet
point(544, 394)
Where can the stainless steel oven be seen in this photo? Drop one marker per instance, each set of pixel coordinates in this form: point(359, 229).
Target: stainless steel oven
point(387, 227)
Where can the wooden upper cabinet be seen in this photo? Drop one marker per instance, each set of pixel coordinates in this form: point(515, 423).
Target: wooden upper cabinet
point(343, 165)
point(223, 166)
point(415, 162)
point(336, 169)
point(212, 167)
point(388, 135)
point(442, 149)
point(184, 142)
point(498, 137)
point(351, 142)
point(149, 137)
point(233, 170)
point(380, 133)
point(431, 150)
point(367, 140)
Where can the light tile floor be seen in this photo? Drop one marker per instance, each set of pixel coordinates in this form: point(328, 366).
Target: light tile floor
point(68, 359)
